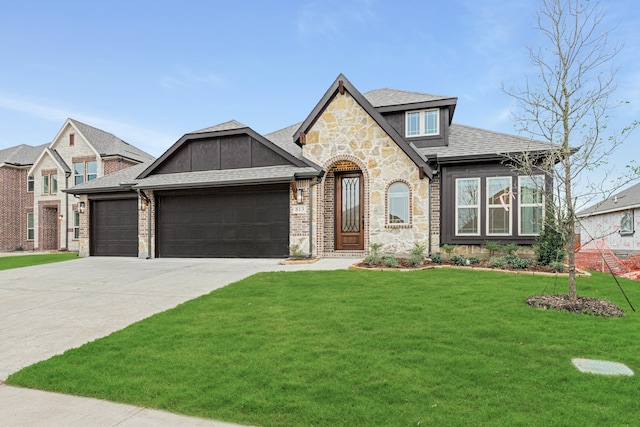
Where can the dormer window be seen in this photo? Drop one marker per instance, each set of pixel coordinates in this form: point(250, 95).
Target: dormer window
point(422, 122)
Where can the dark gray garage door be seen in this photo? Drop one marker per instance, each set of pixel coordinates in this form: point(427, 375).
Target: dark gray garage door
point(239, 222)
point(114, 227)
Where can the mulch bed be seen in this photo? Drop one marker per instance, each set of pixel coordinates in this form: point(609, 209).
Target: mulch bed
point(584, 305)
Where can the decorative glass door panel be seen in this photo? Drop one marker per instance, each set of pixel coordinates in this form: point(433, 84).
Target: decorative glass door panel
point(349, 212)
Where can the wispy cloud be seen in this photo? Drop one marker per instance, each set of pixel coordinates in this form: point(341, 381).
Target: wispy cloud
point(187, 79)
point(149, 140)
point(332, 19)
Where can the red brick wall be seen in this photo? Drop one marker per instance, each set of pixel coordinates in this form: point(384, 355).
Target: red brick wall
point(111, 166)
point(15, 202)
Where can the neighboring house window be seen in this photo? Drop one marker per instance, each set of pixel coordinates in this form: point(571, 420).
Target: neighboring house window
point(398, 203)
point(76, 224)
point(626, 223)
point(467, 206)
point(45, 184)
point(499, 197)
point(30, 229)
point(78, 173)
point(531, 198)
point(92, 170)
point(422, 122)
point(30, 184)
point(84, 171)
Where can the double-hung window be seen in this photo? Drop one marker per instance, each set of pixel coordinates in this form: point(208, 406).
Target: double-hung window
point(45, 184)
point(626, 222)
point(398, 203)
point(499, 197)
point(76, 224)
point(30, 184)
point(84, 171)
point(50, 184)
point(531, 199)
point(30, 228)
point(467, 206)
point(422, 122)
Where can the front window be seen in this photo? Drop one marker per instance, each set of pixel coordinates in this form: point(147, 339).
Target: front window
point(467, 206)
point(54, 184)
point(422, 122)
point(398, 203)
point(499, 197)
point(626, 223)
point(30, 184)
point(531, 195)
point(30, 229)
point(84, 171)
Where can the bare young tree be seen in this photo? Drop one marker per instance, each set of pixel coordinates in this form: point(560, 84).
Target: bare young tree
point(568, 104)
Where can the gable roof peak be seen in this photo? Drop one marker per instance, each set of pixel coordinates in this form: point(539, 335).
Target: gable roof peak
point(228, 125)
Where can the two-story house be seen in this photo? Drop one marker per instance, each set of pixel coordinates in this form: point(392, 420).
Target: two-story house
point(36, 213)
point(386, 167)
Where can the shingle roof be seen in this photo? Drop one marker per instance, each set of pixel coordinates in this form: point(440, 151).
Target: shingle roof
point(227, 176)
point(230, 125)
point(626, 199)
point(283, 138)
point(118, 180)
point(387, 97)
point(467, 142)
point(107, 144)
point(21, 155)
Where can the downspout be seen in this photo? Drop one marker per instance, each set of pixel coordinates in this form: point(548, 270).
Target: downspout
point(146, 199)
point(312, 184)
point(66, 211)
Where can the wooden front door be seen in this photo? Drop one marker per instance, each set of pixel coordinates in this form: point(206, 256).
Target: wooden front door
point(349, 211)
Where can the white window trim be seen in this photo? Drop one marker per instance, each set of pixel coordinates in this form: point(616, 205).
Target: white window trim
point(477, 207)
point(76, 215)
point(32, 181)
point(422, 123)
point(529, 205)
point(398, 224)
point(508, 200)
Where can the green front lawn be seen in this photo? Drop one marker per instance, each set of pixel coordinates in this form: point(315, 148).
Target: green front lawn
point(361, 348)
point(17, 261)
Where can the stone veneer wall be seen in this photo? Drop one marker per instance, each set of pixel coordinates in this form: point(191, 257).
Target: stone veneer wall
point(299, 218)
point(345, 131)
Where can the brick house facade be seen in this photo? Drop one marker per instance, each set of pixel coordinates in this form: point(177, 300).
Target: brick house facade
point(35, 211)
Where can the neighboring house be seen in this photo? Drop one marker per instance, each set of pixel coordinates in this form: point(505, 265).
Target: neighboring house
point(614, 220)
point(384, 167)
point(36, 213)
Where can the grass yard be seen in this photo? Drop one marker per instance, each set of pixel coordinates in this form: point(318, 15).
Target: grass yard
point(362, 348)
point(17, 261)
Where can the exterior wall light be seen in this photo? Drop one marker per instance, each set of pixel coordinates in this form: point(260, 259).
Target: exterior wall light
point(299, 197)
point(81, 207)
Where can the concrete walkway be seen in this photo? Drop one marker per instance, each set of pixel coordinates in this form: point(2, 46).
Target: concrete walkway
point(47, 309)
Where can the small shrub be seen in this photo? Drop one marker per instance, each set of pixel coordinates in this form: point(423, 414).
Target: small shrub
point(373, 257)
point(492, 246)
point(558, 267)
point(416, 256)
point(510, 248)
point(520, 263)
point(458, 260)
point(549, 247)
point(449, 249)
point(473, 260)
point(295, 251)
point(436, 257)
point(498, 262)
point(390, 261)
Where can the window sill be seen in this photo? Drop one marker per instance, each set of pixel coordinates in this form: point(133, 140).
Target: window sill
point(397, 226)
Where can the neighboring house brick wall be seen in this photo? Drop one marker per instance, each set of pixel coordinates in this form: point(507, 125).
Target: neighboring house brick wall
point(345, 131)
point(16, 202)
point(115, 165)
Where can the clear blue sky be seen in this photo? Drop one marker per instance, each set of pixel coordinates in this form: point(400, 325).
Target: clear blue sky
point(151, 71)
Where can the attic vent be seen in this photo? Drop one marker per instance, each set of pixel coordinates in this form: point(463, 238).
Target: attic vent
point(72, 138)
point(341, 87)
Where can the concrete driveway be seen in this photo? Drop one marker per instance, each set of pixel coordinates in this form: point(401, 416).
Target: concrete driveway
point(45, 310)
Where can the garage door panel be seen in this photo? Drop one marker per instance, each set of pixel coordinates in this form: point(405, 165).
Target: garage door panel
point(114, 227)
point(231, 222)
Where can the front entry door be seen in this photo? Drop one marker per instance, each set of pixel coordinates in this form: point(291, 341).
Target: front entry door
point(349, 212)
